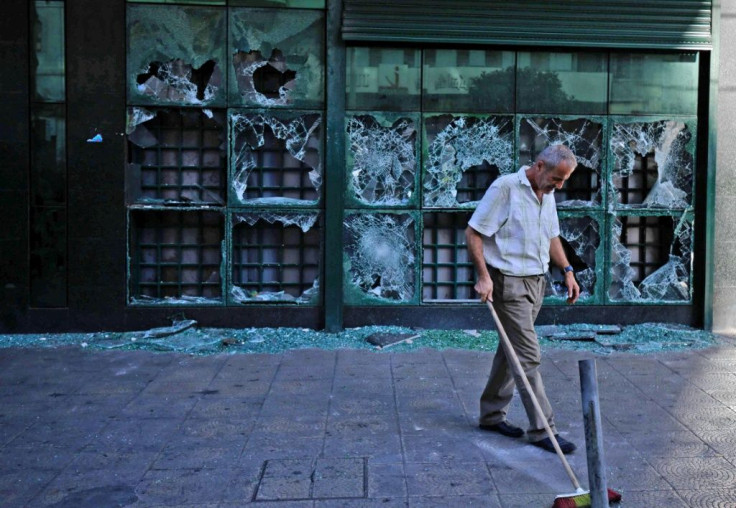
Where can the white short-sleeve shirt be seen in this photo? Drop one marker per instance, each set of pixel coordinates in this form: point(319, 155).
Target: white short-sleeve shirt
point(515, 226)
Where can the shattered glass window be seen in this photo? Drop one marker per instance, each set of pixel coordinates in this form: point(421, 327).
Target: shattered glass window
point(277, 58)
point(464, 155)
point(48, 75)
point(651, 258)
point(581, 239)
point(176, 257)
point(176, 156)
point(472, 80)
point(584, 137)
point(276, 257)
point(382, 159)
point(447, 272)
point(383, 79)
point(653, 164)
point(561, 82)
point(276, 158)
point(176, 55)
point(663, 83)
point(380, 258)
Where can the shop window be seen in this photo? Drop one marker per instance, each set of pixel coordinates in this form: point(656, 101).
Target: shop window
point(447, 273)
point(276, 257)
point(176, 156)
point(176, 257)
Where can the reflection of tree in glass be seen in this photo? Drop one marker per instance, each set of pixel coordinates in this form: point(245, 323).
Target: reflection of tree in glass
point(492, 90)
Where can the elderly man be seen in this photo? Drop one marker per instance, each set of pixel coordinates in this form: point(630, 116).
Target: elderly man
point(511, 237)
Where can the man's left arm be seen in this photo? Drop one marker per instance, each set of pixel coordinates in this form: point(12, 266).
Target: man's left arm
point(558, 257)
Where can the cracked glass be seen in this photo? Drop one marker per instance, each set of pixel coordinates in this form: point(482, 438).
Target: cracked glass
point(176, 55)
point(561, 83)
point(581, 240)
point(276, 158)
point(471, 80)
point(465, 154)
point(653, 164)
point(382, 159)
point(380, 256)
point(384, 79)
point(651, 258)
point(176, 156)
point(276, 58)
point(664, 83)
point(584, 136)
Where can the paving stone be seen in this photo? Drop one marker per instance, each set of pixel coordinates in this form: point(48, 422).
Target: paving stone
point(376, 429)
point(448, 479)
point(339, 478)
point(286, 479)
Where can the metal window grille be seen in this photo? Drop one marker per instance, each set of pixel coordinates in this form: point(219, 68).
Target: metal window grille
point(275, 172)
point(635, 187)
point(269, 257)
point(187, 161)
point(649, 240)
point(176, 254)
point(447, 273)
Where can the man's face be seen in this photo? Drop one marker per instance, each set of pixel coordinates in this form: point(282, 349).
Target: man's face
point(551, 179)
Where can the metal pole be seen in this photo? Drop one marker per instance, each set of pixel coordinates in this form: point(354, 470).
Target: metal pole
point(593, 434)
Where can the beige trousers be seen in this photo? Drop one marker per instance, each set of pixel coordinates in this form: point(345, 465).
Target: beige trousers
point(517, 301)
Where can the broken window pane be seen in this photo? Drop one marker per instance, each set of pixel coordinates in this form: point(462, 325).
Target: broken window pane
point(581, 239)
point(561, 82)
point(464, 155)
point(468, 80)
point(176, 257)
point(384, 79)
point(663, 83)
point(176, 156)
point(653, 164)
point(382, 159)
point(47, 25)
point(584, 138)
point(276, 158)
point(380, 256)
point(176, 55)
point(276, 257)
point(651, 258)
point(277, 58)
point(447, 272)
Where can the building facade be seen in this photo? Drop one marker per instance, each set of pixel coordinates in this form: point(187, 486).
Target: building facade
point(313, 163)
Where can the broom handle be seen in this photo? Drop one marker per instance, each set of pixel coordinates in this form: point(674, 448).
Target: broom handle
point(511, 354)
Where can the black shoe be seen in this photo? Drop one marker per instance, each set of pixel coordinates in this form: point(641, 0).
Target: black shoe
point(565, 445)
point(503, 428)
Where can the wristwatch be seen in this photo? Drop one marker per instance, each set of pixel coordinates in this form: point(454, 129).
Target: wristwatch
point(568, 268)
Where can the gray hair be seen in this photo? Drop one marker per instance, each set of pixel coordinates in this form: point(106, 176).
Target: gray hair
point(554, 155)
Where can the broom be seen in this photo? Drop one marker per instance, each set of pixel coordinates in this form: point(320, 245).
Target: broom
point(580, 498)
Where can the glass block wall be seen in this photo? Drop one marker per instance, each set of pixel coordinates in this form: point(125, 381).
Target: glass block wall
point(226, 167)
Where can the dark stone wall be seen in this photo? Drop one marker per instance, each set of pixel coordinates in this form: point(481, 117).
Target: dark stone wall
point(14, 161)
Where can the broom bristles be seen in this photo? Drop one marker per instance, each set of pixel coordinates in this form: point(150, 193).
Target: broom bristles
point(582, 500)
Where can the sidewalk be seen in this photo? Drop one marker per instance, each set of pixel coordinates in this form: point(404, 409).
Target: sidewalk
point(349, 428)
